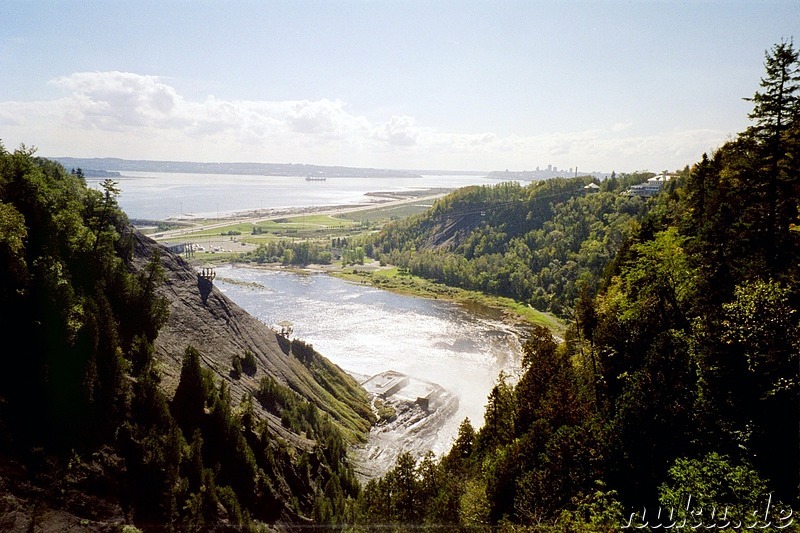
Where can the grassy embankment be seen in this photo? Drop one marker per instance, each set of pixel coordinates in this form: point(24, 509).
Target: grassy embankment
point(399, 280)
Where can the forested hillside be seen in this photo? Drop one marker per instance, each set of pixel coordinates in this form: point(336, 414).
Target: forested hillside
point(90, 435)
point(535, 244)
point(674, 401)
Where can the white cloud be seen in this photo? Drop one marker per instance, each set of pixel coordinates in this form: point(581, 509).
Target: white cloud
point(8, 117)
point(119, 100)
point(323, 117)
point(130, 115)
point(399, 131)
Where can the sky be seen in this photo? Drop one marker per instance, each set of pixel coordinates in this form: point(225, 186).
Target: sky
point(448, 85)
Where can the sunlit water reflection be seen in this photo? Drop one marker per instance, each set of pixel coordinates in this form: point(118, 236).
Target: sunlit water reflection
point(366, 330)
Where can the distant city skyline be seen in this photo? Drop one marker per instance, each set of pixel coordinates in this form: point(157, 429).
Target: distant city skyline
point(472, 85)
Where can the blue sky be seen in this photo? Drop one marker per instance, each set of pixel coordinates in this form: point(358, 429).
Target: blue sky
point(469, 85)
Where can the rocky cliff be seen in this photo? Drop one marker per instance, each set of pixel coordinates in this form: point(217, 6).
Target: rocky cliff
point(202, 316)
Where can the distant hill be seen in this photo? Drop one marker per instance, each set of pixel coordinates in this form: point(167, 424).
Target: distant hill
point(261, 169)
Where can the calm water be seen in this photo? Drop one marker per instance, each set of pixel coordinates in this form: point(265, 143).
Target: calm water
point(161, 195)
point(366, 331)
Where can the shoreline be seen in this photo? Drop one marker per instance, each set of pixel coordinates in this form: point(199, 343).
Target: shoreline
point(404, 422)
point(382, 200)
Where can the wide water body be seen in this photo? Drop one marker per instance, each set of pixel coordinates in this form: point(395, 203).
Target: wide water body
point(162, 195)
point(366, 331)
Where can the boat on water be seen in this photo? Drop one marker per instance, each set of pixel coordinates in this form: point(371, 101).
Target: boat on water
point(316, 178)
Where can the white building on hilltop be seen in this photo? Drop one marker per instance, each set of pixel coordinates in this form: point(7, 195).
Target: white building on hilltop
point(650, 188)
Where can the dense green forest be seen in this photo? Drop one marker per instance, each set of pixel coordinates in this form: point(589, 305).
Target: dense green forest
point(676, 388)
point(81, 407)
point(535, 244)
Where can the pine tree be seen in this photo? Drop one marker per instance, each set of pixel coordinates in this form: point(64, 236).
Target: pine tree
point(776, 107)
point(192, 393)
point(775, 113)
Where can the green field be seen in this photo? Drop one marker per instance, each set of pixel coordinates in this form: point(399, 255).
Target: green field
point(381, 215)
point(240, 236)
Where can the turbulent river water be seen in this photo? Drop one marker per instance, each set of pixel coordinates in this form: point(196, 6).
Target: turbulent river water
point(366, 331)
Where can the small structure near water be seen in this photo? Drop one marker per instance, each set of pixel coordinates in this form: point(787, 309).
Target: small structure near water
point(207, 274)
point(412, 414)
point(205, 282)
point(285, 328)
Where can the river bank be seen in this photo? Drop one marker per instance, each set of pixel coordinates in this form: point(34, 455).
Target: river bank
point(411, 413)
point(409, 426)
point(516, 315)
point(191, 224)
point(397, 280)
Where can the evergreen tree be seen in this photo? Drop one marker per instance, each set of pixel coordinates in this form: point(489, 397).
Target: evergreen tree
point(775, 112)
point(192, 393)
point(692, 338)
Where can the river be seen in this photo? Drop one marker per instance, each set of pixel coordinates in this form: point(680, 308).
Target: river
point(366, 331)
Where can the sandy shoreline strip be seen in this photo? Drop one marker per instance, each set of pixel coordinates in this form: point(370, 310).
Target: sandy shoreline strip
point(383, 200)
